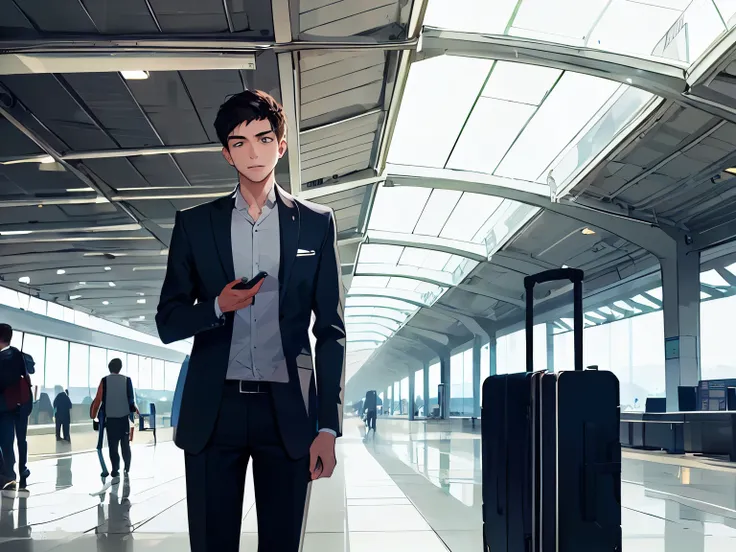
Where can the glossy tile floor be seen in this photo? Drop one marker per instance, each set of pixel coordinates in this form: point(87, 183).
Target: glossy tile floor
point(400, 490)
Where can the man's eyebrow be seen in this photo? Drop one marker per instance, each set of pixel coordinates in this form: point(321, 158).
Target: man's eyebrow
point(259, 135)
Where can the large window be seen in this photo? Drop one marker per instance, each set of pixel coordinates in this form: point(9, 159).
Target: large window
point(57, 364)
point(632, 348)
point(396, 409)
point(144, 373)
point(511, 351)
point(171, 375)
point(158, 375)
point(35, 345)
point(132, 370)
point(97, 366)
point(461, 383)
point(79, 386)
point(717, 358)
point(419, 393)
point(404, 391)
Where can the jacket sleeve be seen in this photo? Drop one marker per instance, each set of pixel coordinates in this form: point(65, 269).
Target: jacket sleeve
point(329, 331)
point(94, 408)
point(178, 316)
point(131, 395)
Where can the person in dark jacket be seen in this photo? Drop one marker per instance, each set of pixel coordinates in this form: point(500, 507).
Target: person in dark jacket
point(370, 407)
point(16, 404)
point(63, 410)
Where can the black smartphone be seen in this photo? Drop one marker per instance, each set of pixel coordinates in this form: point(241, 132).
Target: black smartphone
point(248, 284)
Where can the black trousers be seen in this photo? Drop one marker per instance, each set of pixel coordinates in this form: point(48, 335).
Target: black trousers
point(63, 425)
point(246, 429)
point(370, 419)
point(118, 435)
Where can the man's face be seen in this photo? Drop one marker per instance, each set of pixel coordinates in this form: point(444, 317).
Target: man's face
point(253, 149)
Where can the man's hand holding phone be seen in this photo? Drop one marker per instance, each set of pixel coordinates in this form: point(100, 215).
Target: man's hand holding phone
point(232, 299)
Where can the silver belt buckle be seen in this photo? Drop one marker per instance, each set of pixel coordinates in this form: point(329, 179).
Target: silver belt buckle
point(240, 388)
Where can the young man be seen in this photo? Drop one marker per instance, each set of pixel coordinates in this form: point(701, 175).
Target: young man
point(250, 389)
point(16, 404)
point(113, 405)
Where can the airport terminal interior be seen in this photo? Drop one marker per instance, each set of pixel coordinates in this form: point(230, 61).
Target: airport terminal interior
point(462, 146)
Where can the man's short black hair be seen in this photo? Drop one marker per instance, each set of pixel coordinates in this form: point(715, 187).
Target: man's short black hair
point(115, 366)
point(6, 333)
point(248, 106)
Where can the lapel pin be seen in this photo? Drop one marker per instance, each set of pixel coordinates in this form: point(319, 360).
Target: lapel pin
point(293, 217)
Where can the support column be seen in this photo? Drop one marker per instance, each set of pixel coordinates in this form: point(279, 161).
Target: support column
point(550, 347)
point(410, 402)
point(426, 390)
point(445, 378)
point(477, 346)
point(492, 353)
point(681, 312)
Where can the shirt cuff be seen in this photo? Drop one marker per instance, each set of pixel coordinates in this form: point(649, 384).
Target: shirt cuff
point(330, 431)
point(218, 312)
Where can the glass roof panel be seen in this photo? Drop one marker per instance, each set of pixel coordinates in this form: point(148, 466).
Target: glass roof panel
point(366, 336)
point(712, 278)
point(520, 83)
point(356, 328)
point(436, 212)
point(397, 209)
point(569, 107)
point(381, 313)
point(472, 211)
point(676, 30)
point(424, 258)
point(385, 302)
point(370, 281)
point(374, 320)
point(489, 133)
point(380, 254)
point(444, 84)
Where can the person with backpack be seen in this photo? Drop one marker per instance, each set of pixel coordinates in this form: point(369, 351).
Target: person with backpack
point(113, 406)
point(16, 404)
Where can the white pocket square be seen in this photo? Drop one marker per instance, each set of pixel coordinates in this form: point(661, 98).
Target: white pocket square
point(304, 253)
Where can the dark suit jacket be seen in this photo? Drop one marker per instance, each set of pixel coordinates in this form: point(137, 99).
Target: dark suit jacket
point(201, 264)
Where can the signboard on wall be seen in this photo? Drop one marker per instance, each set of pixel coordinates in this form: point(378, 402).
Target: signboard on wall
point(672, 348)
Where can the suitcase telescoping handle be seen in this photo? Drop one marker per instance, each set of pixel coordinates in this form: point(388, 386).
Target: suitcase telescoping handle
point(575, 275)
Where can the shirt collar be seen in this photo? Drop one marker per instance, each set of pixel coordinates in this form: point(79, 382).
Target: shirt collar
point(241, 204)
point(4, 349)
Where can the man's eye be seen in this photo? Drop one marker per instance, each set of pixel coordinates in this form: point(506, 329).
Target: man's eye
point(237, 144)
point(266, 139)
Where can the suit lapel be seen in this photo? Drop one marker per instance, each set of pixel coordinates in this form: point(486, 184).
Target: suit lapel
point(289, 228)
point(221, 227)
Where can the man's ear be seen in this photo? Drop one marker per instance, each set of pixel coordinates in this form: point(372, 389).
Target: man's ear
point(282, 148)
point(228, 157)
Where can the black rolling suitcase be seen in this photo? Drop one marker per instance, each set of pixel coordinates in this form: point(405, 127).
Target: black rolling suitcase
point(551, 452)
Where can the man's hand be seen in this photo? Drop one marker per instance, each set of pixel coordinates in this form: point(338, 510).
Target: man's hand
point(323, 447)
point(233, 299)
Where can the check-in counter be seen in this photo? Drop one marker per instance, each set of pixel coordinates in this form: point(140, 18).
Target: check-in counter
point(711, 433)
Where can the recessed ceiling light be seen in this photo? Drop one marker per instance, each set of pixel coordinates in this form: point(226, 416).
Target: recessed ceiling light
point(142, 317)
point(46, 159)
point(25, 280)
point(141, 294)
point(61, 271)
point(134, 75)
point(16, 232)
point(588, 231)
point(73, 190)
point(73, 297)
point(106, 302)
point(565, 266)
point(629, 81)
point(107, 268)
point(111, 284)
point(141, 301)
point(82, 283)
point(731, 170)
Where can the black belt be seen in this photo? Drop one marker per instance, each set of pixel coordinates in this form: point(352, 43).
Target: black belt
point(248, 387)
